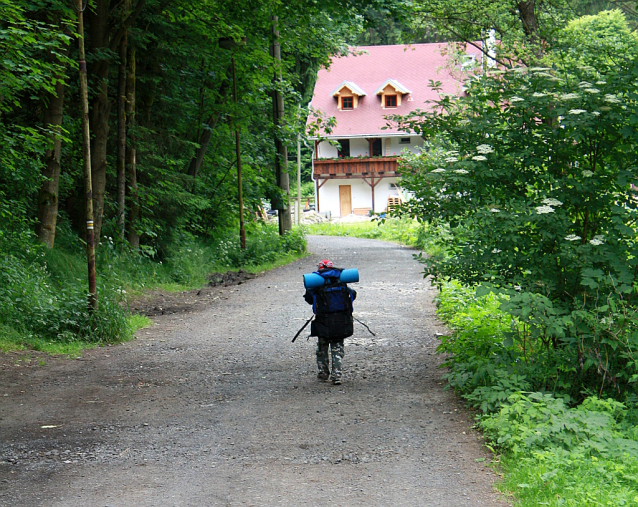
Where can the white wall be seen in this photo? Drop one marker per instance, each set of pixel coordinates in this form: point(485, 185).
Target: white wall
point(393, 147)
point(361, 194)
point(361, 147)
point(326, 150)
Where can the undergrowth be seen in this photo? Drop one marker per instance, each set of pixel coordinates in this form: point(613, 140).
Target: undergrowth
point(43, 293)
point(554, 450)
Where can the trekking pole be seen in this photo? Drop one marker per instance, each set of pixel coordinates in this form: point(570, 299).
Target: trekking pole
point(302, 328)
point(364, 325)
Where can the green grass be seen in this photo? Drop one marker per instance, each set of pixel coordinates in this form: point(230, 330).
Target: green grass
point(557, 478)
point(405, 231)
point(15, 341)
point(137, 322)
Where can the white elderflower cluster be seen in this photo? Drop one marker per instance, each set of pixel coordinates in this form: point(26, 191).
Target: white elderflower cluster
point(496, 250)
point(552, 202)
point(611, 98)
point(592, 90)
point(584, 84)
point(569, 96)
point(464, 122)
point(538, 69)
point(479, 158)
point(601, 82)
point(495, 210)
point(516, 99)
point(587, 173)
point(451, 159)
point(595, 113)
point(484, 149)
point(599, 239)
point(538, 94)
point(451, 153)
point(439, 170)
point(572, 237)
point(577, 111)
point(542, 210)
point(461, 171)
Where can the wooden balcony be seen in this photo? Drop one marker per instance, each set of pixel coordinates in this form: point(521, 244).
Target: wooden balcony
point(355, 167)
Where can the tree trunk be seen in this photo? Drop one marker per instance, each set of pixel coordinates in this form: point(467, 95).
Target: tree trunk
point(121, 131)
point(103, 38)
point(204, 139)
point(131, 167)
point(86, 158)
point(48, 194)
point(100, 108)
point(527, 15)
point(281, 155)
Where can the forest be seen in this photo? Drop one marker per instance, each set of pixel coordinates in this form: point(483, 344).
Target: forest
point(160, 151)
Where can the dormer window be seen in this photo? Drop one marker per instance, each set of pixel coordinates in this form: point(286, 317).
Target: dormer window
point(391, 92)
point(348, 95)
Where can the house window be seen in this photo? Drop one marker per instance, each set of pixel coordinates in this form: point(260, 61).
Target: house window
point(404, 140)
point(390, 101)
point(347, 103)
point(376, 148)
point(344, 151)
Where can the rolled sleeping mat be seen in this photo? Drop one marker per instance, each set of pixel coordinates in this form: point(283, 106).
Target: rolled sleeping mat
point(349, 275)
point(313, 280)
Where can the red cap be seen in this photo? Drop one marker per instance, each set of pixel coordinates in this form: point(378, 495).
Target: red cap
point(325, 264)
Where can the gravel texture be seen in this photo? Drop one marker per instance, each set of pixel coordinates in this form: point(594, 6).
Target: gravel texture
point(215, 407)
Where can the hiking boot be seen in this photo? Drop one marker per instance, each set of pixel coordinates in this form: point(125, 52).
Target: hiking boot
point(323, 376)
point(336, 381)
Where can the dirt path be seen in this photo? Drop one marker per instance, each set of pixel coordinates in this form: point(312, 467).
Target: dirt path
point(217, 408)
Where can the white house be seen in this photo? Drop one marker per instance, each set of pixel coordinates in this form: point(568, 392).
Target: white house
point(360, 90)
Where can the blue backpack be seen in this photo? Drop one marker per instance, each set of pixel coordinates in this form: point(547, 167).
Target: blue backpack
point(332, 304)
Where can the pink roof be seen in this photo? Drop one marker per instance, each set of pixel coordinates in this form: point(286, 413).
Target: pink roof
point(412, 66)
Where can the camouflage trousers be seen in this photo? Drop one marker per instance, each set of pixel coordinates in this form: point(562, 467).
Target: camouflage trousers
point(323, 358)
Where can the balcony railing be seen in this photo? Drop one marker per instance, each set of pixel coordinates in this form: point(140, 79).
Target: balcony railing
point(384, 166)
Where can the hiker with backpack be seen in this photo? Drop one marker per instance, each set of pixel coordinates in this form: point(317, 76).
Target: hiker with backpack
point(332, 306)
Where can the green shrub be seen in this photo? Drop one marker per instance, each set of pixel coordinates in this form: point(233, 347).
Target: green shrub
point(43, 293)
point(32, 303)
point(556, 455)
point(535, 171)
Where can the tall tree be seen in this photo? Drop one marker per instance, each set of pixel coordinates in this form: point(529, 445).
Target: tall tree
point(131, 163)
point(49, 189)
point(105, 34)
point(121, 125)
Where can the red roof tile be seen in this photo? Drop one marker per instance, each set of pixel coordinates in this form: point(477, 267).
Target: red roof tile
point(413, 66)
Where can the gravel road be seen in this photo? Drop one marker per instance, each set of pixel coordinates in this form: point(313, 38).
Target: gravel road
point(217, 408)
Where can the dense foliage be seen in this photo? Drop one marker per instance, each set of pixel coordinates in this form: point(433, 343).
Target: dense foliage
point(534, 170)
point(163, 163)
